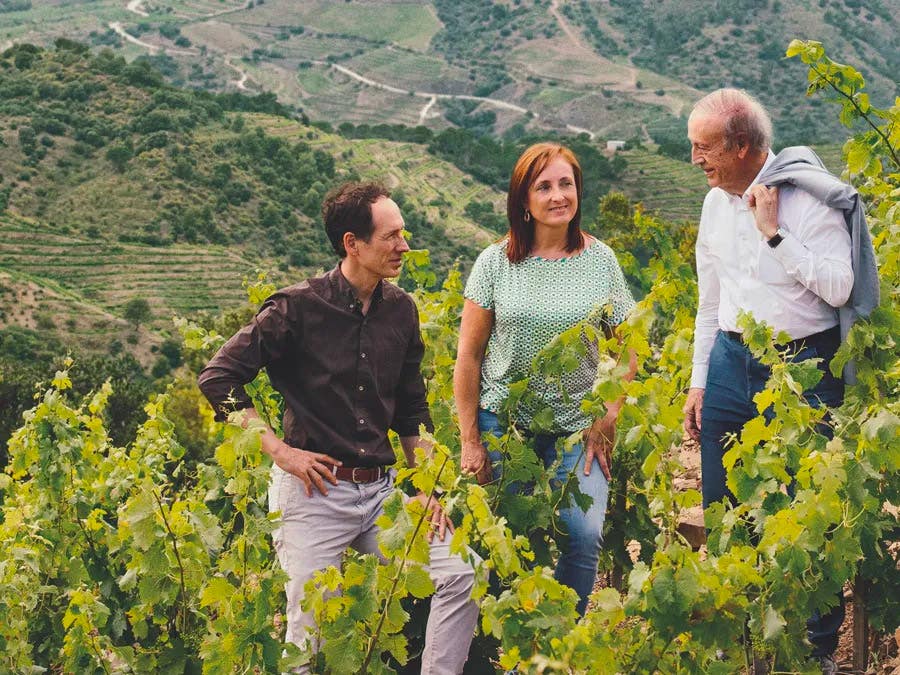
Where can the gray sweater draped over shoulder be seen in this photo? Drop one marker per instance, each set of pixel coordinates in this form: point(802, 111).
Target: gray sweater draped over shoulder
point(801, 167)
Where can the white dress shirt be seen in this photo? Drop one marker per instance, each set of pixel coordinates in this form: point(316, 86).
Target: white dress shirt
point(794, 287)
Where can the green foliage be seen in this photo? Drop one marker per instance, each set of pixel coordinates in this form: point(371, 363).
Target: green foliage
point(130, 573)
point(137, 311)
point(864, 152)
point(485, 215)
point(670, 135)
point(28, 358)
point(741, 44)
point(491, 161)
point(14, 6)
point(181, 167)
point(118, 556)
point(463, 114)
point(870, 415)
point(472, 30)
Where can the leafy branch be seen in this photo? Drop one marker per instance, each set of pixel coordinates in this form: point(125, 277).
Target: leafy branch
point(846, 81)
point(401, 568)
point(182, 592)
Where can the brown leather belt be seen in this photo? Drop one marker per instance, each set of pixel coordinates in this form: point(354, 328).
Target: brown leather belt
point(360, 474)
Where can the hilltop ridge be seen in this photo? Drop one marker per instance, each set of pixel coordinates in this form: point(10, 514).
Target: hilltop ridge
point(612, 69)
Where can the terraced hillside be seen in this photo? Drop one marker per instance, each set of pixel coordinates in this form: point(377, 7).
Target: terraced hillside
point(611, 69)
point(437, 189)
point(179, 278)
point(676, 189)
point(116, 186)
point(78, 288)
point(101, 148)
point(739, 43)
point(52, 311)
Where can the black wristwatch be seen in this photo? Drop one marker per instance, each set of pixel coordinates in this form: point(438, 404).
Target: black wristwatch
point(776, 239)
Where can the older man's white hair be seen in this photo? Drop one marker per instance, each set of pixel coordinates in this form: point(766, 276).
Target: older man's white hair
point(745, 118)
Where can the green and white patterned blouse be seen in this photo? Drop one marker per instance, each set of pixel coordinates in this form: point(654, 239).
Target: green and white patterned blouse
point(534, 301)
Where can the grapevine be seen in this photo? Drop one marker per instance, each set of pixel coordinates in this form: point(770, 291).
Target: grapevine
point(117, 559)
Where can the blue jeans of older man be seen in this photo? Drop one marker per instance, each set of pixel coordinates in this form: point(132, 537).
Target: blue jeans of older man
point(735, 377)
point(577, 564)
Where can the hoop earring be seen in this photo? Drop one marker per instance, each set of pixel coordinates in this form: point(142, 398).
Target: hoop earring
point(527, 216)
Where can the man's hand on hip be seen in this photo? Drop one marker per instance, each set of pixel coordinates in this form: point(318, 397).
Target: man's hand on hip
point(309, 467)
point(763, 202)
point(693, 408)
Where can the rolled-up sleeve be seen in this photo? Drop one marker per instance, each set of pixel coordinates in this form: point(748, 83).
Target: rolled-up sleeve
point(240, 359)
point(411, 402)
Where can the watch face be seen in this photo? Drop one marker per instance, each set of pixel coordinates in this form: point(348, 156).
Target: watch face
point(775, 240)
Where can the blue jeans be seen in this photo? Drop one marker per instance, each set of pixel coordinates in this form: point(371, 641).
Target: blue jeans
point(577, 564)
point(735, 377)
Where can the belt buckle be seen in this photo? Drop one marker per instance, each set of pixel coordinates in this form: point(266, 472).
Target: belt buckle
point(353, 475)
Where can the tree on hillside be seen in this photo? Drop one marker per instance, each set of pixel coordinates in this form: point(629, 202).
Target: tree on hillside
point(120, 154)
point(137, 311)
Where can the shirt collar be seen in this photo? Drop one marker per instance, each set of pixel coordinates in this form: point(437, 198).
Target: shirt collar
point(345, 292)
point(769, 159)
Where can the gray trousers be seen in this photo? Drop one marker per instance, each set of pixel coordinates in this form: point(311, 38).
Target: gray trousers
point(314, 533)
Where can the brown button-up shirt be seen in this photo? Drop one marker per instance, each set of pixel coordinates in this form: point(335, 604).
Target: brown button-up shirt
point(346, 377)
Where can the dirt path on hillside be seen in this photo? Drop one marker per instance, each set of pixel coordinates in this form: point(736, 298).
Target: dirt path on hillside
point(576, 40)
point(424, 112)
point(135, 6)
point(223, 12)
point(566, 28)
point(434, 96)
point(241, 83)
point(153, 49)
point(581, 130)
point(629, 85)
point(423, 94)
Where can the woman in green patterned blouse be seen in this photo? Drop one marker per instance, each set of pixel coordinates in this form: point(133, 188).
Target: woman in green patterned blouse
point(544, 277)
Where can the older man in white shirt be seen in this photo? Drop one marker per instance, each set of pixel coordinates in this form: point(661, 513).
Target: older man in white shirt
point(778, 253)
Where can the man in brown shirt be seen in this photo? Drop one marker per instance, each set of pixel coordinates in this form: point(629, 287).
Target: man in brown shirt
point(344, 350)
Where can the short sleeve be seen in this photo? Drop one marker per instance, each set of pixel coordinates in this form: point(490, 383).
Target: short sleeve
point(619, 294)
point(480, 286)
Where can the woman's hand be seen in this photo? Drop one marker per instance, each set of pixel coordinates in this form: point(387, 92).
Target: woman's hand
point(474, 460)
point(598, 443)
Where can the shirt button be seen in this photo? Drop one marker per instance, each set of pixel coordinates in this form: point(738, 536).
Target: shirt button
point(362, 388)
point(362, 421)
point(362, 450)
point(363, 355)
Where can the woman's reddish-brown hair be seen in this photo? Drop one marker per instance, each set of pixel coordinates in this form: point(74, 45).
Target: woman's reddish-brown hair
point(528, 167)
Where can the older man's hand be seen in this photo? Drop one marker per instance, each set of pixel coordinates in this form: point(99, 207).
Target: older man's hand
point(763, 202)
point(693, 409)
